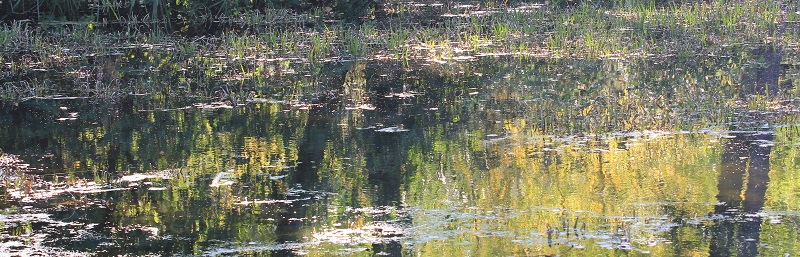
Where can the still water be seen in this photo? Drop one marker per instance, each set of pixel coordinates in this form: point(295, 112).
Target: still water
point(492, 157)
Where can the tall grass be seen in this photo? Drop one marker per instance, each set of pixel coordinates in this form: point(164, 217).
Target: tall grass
point(270, 43)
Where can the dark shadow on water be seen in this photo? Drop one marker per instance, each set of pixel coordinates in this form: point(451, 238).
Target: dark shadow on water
point(744, 167)
point(767, 69)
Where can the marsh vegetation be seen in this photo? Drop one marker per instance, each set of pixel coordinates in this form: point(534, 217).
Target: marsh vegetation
point(257, 52)
point(399, 128)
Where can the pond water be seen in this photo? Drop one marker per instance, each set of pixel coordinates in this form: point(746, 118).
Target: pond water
point(489, 157)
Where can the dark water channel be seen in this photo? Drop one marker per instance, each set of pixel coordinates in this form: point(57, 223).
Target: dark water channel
point(663, 157)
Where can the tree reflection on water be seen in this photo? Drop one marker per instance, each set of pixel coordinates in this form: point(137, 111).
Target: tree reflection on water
point(533, 157)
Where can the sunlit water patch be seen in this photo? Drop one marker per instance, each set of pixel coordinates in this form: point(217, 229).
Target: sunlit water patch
point(646, 198)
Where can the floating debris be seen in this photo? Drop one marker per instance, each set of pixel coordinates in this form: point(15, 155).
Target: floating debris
point(42, 190)
point(164, 174)
point(9, 163)
point(233, 249)
point(277, 177)
point(404, 94)
point(214, 105)
point(372, 233)
point(30, 243)
point(71, 116)
point(265, 100)
point(223, 178)
point(367, 107)
point(391, 130)
point(246, 202)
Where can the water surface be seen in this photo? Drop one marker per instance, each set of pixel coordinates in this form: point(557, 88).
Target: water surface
point(491, 157)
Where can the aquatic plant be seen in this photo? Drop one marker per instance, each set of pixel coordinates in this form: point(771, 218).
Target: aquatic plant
point(270, 44)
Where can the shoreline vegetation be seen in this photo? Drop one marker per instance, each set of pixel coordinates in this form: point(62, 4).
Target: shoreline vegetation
point(247, 52)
